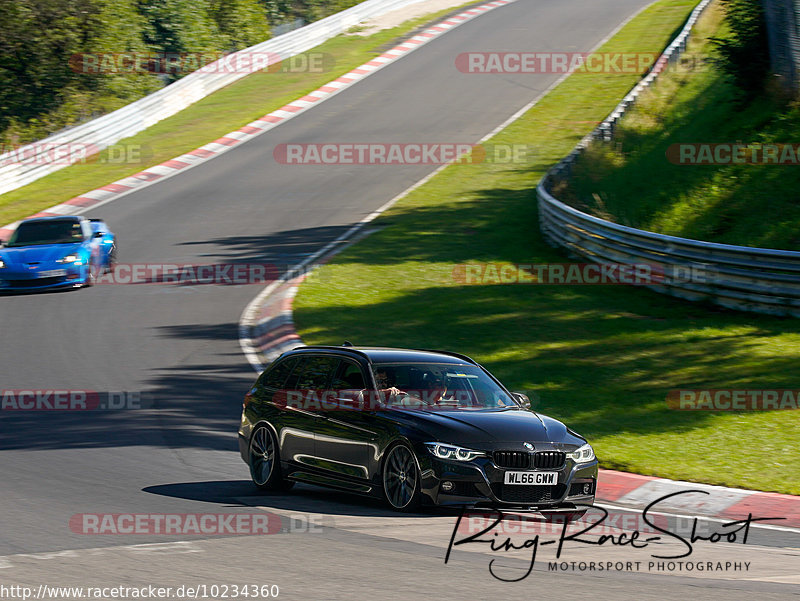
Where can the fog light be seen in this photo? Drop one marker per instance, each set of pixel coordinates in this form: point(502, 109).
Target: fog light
point(587, 488)
point(447, 486)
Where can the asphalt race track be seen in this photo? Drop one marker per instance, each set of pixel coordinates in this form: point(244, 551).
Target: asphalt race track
point(179, 345)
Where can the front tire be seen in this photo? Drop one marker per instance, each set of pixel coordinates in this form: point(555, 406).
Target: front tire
point(264, 461)
point(401, 479)
point(89, 281)
point(112, 259)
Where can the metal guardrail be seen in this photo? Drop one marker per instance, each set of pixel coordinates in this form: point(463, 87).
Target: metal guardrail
point(782, 20)
point(70, 145)
point(738, 277)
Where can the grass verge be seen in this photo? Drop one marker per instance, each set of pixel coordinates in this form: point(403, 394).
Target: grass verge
point(602, 358)
point(206, 120)
point(745, 204)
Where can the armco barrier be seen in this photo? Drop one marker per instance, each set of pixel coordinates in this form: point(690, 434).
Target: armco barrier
point(138, 116)
point(738, 277)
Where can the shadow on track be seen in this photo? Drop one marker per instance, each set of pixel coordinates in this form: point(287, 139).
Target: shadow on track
point(302, 498)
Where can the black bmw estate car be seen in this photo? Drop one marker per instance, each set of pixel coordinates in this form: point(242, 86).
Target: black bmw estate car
point(411, 427)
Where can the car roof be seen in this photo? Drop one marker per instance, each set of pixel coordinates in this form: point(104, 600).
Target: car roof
point(378, 354)
point(54, 218)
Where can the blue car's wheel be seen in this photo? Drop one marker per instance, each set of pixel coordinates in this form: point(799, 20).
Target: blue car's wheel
point(112, 259)
point(89, 281)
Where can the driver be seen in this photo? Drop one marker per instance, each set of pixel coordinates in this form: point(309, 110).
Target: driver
point(386, 379)
point(77, 232)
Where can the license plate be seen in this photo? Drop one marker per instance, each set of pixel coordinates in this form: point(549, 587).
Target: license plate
point(546, 478)
point(51, 273)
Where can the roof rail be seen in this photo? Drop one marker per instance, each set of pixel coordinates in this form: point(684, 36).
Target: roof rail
point(449, 353)
point(330, 347)
point(349, 349)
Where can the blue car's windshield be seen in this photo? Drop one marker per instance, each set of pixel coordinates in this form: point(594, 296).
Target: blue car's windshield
point(436, 385)
point(46, 232)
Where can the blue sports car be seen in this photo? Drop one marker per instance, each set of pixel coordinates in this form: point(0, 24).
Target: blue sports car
point(56, 252)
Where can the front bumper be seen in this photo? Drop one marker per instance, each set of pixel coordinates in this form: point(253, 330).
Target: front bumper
point(43, 279)
point(480, 482)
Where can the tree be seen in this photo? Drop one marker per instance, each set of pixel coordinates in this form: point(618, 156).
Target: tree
point(243, 23)
point(39, 37)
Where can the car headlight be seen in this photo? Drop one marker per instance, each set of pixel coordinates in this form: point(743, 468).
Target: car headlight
point(448, 451)
point(583, 454)
point(73, 258)
point(2, 264)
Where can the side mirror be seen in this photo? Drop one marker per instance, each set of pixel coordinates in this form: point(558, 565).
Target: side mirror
point(522, 399)
point(99, 234)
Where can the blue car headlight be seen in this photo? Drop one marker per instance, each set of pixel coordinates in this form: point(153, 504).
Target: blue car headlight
point(452, 452)
point(2, 263)
point(583, 454)
point(70, 258)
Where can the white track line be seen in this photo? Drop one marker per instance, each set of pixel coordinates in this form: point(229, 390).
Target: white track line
point(699, 517)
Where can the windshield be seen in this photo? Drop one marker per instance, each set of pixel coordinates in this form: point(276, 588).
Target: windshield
point(46, 232)
point(439, 386)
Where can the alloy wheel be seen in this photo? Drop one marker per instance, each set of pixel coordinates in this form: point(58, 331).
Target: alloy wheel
point(401, 478)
